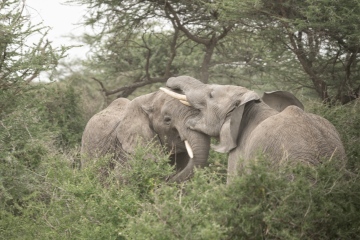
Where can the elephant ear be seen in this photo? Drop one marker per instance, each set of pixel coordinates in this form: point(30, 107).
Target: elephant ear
point(135, 128)
point(230, 129)
point(279, 100)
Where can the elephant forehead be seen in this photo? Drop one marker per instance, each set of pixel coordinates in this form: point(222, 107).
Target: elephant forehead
point(225, 96)
point(228, 91)
point(175, 108)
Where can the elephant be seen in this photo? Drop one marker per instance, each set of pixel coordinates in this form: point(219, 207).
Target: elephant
point(275, 125)
point(154, 117)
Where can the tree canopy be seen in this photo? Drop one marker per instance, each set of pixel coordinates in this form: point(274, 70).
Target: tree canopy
point(311, 44)
point(323, 36)
point(143, 42)
point(21, 62)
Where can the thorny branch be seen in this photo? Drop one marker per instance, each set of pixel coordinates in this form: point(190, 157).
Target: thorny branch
point(141, 83)
point(37, 71)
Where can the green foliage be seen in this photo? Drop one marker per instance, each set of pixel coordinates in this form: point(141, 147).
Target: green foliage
point(316, 39)
point(263, 204)
point(44, 196)
point(293, 203)
point(21, 63)
point(25, 134)
point(261, 44)
point(73, 203)
point(145, 170)
point(288, 203)
point(346, 120)
point(63, 110)
point(23, 144)
point(29, 132)
point(181, 39)
point(186, 211)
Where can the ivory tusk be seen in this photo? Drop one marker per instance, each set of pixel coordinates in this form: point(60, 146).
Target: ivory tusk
point(174, 94)
point(189, 149)
point(185, 103)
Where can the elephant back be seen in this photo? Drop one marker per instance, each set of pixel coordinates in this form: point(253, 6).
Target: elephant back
point(98, 136)
point(296, 135)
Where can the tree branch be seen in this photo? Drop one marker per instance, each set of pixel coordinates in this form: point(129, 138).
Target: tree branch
point(37, 71)
point(148, 56)
point(3, 56)
point(173, 53)
point(182, 28)
point(127, 87)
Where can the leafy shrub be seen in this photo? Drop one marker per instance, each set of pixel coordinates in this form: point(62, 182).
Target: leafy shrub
point(43, 196)
point(73, 203)
point(319, 203)
point(184, 211)
point(346, 119)
point(62, 108)
point(27, 138)
point(24, 141)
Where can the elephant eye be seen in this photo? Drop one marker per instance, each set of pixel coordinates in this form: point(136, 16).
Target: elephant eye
point(167, 119)
point(211, 95)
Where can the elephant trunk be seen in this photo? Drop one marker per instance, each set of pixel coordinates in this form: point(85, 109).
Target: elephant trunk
point(200, 144)
point(184, 83)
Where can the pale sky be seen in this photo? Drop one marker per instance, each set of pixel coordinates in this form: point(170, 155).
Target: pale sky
point(63, 20)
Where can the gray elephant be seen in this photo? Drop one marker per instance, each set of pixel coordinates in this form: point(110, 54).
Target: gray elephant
point(152, 117)
point(247, 125)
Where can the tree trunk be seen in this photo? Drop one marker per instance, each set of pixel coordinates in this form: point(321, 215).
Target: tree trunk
point(206, 61)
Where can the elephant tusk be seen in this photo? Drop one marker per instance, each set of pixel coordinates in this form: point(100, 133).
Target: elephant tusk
point(174, 94)
point(185, 103)
point(189, 149)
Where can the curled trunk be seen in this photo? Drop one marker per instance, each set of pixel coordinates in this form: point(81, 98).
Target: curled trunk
point(200, 144)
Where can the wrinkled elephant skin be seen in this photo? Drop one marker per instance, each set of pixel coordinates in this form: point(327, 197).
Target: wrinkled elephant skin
point(152, 117)
point(275, 125)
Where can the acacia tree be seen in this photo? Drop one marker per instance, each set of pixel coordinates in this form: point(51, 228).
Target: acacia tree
point(147, 41)
point(21, 63)
point(323, 36)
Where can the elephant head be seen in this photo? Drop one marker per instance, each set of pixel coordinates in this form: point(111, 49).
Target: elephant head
point(151, 117)
point(221, 107)
point(274, 125)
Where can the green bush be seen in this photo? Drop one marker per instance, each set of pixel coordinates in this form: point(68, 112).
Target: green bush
point(318, 203)
point(186, 211)
point(43, 196)
point(73, 203)
point(346, 119)
point(62, 108)
point(24, 141)
point(27, 144)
